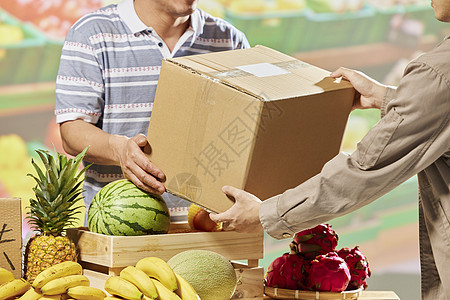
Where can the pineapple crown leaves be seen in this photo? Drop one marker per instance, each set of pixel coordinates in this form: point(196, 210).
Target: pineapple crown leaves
point(57, 192)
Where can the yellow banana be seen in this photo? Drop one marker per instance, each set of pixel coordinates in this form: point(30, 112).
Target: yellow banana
point(5, 276)
point(54, 297)
point(111, 298)
point(140, 280)
point(57, 271)
point(31, 294)
point(185, 289)
point(86, 293)
point(157, 268)
point(61, 285)
point(117, 286)
point(163, 292)
point(13, 288)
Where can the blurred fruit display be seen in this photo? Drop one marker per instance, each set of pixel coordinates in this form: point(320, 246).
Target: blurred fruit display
point(393, 3)
point(15, 164)
point(52, 17)
point(21, 46)
point(325, 24)
point(337, 6)
point(32, 31)
point(10, 34)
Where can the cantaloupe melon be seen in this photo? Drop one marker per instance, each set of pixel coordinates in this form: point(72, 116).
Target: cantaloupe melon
point(210, 274)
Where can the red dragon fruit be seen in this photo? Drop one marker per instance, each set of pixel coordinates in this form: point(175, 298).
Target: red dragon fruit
point(288, 271)
point(315, 241)
point(358, 265)
point(329, 273)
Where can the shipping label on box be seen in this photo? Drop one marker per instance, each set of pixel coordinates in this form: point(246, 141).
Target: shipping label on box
point(254, 118)
point(11, 235)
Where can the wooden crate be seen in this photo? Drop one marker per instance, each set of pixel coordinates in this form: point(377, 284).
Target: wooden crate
point(102, 256)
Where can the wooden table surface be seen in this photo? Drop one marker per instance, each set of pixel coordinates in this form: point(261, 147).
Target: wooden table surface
point(379, 295)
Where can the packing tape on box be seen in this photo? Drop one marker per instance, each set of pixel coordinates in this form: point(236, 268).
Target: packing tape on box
point(240, 71)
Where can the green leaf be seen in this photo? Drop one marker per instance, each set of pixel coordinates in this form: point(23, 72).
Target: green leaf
point(39, 172)
point(64, 178)
point(83, 171)
point(43, 157)
point(58, 189)
point(53, 171)
point(54, 182)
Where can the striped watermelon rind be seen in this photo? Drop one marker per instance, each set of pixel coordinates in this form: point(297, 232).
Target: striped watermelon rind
point(121, 208)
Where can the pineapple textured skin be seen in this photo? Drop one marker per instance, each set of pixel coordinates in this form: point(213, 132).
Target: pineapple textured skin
point(44, 251)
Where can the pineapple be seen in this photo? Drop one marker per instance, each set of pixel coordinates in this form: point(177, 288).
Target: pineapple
point(57, 194)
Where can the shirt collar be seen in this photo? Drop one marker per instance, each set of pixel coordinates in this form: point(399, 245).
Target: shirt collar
point(197, 22)
point(129, 16)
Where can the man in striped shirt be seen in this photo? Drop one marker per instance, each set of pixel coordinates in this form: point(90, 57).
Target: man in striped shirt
point(107, 79)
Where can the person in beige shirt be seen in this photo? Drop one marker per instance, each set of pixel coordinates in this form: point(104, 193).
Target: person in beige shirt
point(412, 138)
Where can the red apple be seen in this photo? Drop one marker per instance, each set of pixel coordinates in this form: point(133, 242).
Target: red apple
point(202, 221)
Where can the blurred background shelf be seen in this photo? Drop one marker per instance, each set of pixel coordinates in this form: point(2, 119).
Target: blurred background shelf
point(21, 98)
point(28, 110)
point(363, 56)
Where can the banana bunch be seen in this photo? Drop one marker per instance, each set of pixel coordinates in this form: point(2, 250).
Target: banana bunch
point(11, 287)
point(151, 278)
point(5, 276)
point(59, 282)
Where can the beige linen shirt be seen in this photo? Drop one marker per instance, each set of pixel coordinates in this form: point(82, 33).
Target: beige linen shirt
point(412, 137)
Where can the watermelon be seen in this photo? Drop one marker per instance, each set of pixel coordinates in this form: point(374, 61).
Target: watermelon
point(121, 208)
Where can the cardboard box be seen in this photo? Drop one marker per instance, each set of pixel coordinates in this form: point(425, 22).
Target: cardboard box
point(11, 235)
point(255, 119)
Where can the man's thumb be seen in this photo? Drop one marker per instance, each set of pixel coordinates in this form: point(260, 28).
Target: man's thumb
point(141, 140)
point(215, 217)
point(218, 217)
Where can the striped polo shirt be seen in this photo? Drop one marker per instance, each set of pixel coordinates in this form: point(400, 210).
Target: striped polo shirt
point(109, 69)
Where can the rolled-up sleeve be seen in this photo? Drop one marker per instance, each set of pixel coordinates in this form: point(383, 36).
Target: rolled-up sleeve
point(412, 134)
point(80, 86)
point(388, 96)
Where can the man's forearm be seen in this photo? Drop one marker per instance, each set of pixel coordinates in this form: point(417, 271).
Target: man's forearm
point(103, 147)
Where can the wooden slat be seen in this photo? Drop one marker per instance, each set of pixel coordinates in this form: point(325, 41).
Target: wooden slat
point(96, 279)
point(277, 293)
point(94, 248)
point(253, 263)
point(121, 251)
point(250, 281)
